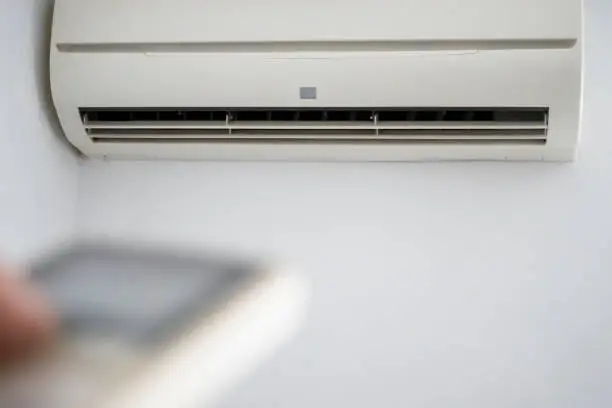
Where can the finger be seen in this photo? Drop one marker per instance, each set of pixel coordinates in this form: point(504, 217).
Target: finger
point(26, 322)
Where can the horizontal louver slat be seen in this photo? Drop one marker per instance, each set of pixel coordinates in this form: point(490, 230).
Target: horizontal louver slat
point(315, 125)
point(359, 125)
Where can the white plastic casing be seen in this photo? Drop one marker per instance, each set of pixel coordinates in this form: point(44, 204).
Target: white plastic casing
point(470, 53)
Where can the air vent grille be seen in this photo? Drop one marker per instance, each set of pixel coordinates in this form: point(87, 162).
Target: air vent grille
point(333, 125)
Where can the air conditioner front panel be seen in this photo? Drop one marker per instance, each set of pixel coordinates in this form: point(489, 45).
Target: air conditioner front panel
point(197, 21)
point(188, 54)
point(473, 79)
point(486, 78)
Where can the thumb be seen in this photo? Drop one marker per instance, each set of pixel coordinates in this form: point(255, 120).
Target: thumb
point(26, 320)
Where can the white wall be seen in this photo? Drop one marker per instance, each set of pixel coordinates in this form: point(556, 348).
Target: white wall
point(435, 285)
point(38, 171)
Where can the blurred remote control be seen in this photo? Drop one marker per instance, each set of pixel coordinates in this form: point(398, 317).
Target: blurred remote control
point(144, 328)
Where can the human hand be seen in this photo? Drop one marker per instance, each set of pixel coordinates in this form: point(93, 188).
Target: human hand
point(27, 323)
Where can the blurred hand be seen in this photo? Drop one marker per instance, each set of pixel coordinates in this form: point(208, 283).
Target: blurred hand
point(26, 321)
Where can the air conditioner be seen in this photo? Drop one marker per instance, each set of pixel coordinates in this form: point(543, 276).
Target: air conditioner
point(368, 80)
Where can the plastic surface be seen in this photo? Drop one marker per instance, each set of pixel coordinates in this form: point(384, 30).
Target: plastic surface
point(185, 21)
point(397, 54)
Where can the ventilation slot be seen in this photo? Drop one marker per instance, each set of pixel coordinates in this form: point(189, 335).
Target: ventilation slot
point(334, 125)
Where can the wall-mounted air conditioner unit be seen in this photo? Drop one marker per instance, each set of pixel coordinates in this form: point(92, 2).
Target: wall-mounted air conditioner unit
point(320, 79)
